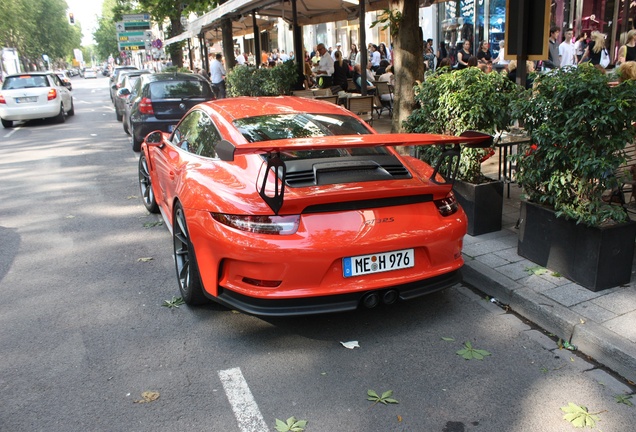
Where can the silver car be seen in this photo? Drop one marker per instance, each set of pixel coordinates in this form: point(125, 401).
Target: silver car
point(34, 95)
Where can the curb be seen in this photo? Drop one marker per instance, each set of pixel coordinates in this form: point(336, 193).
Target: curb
point(591, 339)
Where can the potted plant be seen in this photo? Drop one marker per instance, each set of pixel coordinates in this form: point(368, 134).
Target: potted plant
point(452, 102)
point(253, 81)
point(579, 126)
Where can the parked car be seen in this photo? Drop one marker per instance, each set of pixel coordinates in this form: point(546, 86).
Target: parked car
point(66, 80)
point(284, 205)
point(158, 101)
point(128, 80)
point(34, 95)
point(90, 73)
point(117, 83)
point(115, 74)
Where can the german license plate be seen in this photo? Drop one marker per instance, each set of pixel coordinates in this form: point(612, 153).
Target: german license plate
point(378, 263)
point(26, 99)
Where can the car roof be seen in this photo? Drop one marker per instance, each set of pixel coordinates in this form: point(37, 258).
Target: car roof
point(35, 73)
point(172, 76)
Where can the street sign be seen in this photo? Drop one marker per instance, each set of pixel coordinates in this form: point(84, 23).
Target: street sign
point(137, 17)
point(121, 26)
point(134, 36)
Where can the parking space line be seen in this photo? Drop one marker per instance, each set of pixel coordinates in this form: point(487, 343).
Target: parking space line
point(243, 404)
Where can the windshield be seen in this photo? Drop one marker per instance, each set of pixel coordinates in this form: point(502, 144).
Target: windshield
point(304, 125)
point(179, 89)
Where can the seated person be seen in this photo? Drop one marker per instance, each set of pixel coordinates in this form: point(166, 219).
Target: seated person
point(357, 80)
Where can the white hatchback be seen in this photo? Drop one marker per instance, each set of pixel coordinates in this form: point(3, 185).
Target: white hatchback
point(34, 95)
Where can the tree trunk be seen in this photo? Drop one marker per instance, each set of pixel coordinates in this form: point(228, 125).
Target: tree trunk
point(228, 44)
point(408, 60)
point(176, 50)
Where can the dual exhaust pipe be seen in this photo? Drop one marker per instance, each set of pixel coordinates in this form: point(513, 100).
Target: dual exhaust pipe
point(372, 299)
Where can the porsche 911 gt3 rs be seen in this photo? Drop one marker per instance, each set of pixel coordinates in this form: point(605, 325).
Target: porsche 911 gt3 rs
point(289, 206)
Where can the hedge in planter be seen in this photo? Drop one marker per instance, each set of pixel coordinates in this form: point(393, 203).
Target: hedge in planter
point(253, 81)
point(454, 102)
point(579, 127)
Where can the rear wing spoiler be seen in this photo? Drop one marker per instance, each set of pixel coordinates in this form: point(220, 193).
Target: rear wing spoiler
point(447, 165)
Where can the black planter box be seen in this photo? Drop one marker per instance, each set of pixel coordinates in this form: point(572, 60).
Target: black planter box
point(594, 257)
point(482, 203)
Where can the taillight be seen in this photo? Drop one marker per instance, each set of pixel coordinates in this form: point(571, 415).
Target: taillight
point(447, 205)
point(2, 101)
point(52, 94)
point(276, 225)
point(145, 106)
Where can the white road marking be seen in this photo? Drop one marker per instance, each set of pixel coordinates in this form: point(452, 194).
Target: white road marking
point(14, 130)
point(243, 404)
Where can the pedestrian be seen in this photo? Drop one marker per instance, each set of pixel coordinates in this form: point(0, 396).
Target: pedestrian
point(353, 54)
point(553, 60)
point(500, 57)
point(375, 57)
point(217, 75)
point(340, 72)
point(324, 69)
point(483, 55)
point(628, 51)
point(463, 55)
point(579, 47)
point(338, 49)
point(594, 48)
point(567, 51)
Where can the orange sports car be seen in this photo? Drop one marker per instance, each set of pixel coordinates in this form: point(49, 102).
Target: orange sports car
point(290, 206)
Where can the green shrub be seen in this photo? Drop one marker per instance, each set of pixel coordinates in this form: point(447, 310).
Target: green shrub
point(252, 81)
point(454, 102)
point(579, 126)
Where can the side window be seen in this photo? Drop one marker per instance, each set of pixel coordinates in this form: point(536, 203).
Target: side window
point(185, 135)
point(56, 80)
point(208, 137)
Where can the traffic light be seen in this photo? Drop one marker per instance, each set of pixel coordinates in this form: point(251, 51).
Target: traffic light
point(71, 18)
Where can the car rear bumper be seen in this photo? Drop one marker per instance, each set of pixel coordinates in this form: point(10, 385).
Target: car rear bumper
point(334, 303)
point(151, 125)
point(26, 112)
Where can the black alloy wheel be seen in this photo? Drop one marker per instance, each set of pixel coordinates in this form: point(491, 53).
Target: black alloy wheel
point(185, 261)
point(145, 186)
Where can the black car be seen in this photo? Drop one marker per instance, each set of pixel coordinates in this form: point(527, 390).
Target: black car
point(158, 101)
point(126, 79)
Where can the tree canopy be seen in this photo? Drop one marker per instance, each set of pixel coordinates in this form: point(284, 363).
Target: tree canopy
point(37, 27)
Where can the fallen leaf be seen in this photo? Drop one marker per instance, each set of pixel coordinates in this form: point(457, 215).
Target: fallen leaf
point(145, 259)
point(448, 339)
point(69, 217)
point(148, 396)
point(350, 344)
point(399, 417)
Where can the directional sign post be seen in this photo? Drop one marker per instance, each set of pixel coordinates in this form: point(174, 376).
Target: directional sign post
point(133, 33)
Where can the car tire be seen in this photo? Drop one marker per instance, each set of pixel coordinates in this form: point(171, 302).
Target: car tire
point(71, 112)
point(60, 117)
point(7, 123)
point(145, 186)
point(119, 116)
point(186, 266)
point(125, 124)
point(136, 144)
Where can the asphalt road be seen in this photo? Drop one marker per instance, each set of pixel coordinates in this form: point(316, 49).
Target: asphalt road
point(83, 333)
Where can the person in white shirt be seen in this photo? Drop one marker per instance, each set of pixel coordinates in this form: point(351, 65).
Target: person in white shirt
point(324, 69)
point(500, 57)
point(375, 57)
point(567, 52)
point(240, 59)
point(333, 53)
point(283, 57)
point(217, 76)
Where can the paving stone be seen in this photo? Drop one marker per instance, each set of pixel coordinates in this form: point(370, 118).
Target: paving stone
point(509, 254)
point(620, 302)
point(623, 325)
point(484, 247)
point(537, 283)
point(573, 360)
point(515, 271)
point(492, 260)
point(613, 386)
point(569, 295)
point(513, 321)
point(592, 311)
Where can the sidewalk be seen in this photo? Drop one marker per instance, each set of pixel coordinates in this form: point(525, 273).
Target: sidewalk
point(601, 324)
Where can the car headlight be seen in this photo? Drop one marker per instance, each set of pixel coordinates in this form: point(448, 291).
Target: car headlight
point(276, 225)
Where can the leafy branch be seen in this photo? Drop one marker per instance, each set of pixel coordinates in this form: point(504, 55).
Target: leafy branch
point(389, 18)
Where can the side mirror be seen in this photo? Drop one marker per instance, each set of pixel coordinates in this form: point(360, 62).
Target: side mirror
point(68, 85)
point(154, 138)
point(123, 92)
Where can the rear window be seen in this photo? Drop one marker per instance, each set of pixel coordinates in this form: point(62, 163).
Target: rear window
point(179, 89)
point(304, 125)
point(25, 81)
